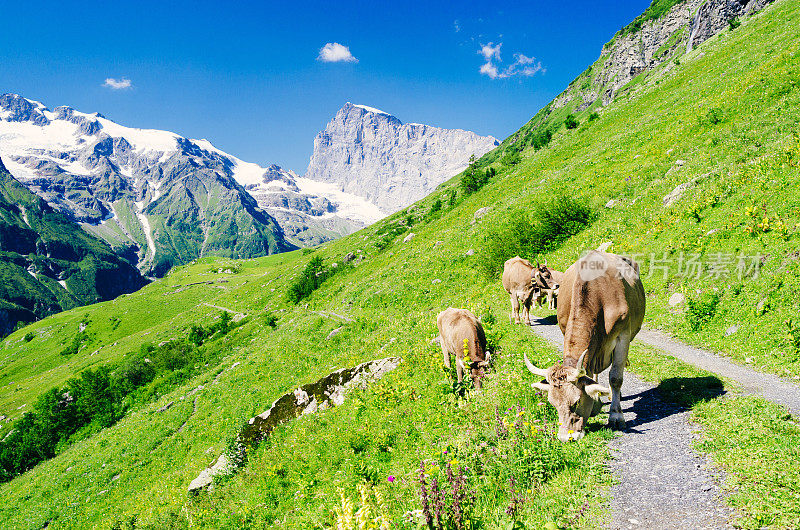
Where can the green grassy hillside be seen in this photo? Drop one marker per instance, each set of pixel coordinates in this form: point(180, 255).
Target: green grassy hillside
point(724, 122)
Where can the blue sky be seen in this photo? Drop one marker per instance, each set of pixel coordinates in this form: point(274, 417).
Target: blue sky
point(248, 75)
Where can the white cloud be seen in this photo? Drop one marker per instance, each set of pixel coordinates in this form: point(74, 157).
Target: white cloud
point(117, 84)
point(490, 70)
point(522, 65)
point(488, 51)
point(333, 52)
point(456, 25)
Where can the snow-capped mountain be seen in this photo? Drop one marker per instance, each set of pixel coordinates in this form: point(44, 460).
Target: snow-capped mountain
point(160, 199)
point(309, 212)
point(370, 153)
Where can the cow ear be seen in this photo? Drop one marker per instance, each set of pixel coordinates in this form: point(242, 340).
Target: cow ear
point(541, 386)
point(596, 391)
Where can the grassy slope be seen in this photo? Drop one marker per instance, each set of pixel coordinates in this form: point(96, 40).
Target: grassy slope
point(753, 156)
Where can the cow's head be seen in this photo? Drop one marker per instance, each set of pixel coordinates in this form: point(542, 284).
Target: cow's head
point(477, 369)
point(574, 395)
point(542, 277)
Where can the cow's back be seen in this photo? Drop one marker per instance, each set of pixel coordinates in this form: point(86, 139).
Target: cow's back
point(455, 325)
point(517, 274)
point(614, 296)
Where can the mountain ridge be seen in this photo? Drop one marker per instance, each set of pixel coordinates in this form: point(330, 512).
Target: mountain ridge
point(371, 153)
point(48, 263)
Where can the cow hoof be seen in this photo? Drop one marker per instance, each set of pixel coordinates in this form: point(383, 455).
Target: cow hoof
point(616, 421)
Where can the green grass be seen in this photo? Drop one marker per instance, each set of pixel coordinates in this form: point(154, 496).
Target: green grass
point(140, 468)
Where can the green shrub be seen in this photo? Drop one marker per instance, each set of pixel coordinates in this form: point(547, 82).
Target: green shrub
point(77, 341)
point(29, 336)
point(793, 336)
point(308, 281)
point(541, 138)
point(545, 229)
point(714, 116)
point(593, 116)
point(570, 122)
point(699, 311)
point(511, 158)
point(271, 320)
point(734, 23)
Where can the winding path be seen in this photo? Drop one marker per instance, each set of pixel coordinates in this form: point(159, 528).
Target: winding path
point(662, 482)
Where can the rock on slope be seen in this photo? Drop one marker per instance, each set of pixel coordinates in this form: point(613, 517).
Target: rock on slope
point(159, 199)
point(369, 153)
point(649, 42)
point(48, 263)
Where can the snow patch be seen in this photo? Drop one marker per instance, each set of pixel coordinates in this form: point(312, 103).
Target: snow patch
point(348, 205)
point(142, 140)
point(151, 245)
point(371, 109)
point(63, 284)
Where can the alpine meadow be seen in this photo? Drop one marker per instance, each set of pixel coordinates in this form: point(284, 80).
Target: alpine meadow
point(143, 402)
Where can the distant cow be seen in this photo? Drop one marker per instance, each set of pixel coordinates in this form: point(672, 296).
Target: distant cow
point(547, 295)
point(546, 282)
point(460, 330)
point(600, 311)
point(518, 283)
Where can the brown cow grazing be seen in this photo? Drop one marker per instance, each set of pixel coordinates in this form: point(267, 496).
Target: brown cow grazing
point(546, 282)
point(460, 330)
point(547, 278)
point(518, 283)
point(601, 310)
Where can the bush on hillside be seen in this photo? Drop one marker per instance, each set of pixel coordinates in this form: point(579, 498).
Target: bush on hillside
point(594, 116)
point(714, 116)
point(312, 278)
point(98, 398)
point(77, 341)
point(699, 311)
point(511, 158)
point(570, 122)
point(540, 139)
point(545, 229)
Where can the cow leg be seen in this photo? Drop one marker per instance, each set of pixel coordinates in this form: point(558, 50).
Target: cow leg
point(616, 420)
point(514, 318)
point(526, 313)
point(445, 354)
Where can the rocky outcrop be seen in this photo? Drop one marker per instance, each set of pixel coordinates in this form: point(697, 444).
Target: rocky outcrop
point(328, 392)
point(630, 53)
point(370, 153)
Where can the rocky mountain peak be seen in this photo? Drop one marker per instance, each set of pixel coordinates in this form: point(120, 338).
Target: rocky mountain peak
point(372, 154)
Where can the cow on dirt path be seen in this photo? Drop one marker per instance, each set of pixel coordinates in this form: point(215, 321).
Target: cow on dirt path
point(518, 283)
point(601, 309)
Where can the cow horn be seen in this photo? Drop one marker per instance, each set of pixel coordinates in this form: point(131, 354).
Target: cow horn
point(533, 369)
point(596, 390)
point(541, 386)
point(580, 371)
point(545, 262)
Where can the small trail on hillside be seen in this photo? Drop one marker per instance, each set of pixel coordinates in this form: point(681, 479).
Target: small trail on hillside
point(661, 481)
